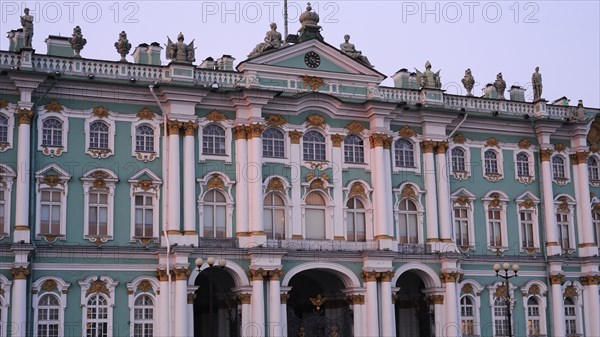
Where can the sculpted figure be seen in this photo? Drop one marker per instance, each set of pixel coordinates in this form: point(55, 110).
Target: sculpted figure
point(27, 23)
point(536, 81)
point(500, 85)
point(180, 51)
point(429, 79)
point(468, 81)
point(272, 41)
point(123, 46)
point(77, 41)
point(349, 49)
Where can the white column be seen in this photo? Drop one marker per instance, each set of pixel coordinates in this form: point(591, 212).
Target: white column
point(558, 309)
point(19, 302)
point(254, 177)
point(372, 315)
point(358, 302)
point(22, 182)
point(438, 311)
point(258, 301)
point(552, 245)
point(591, 305)
point(378, 172)
point(443, 194)
point(274, 326)
point(338, 193)
point(283, 297)
point(586, 227)
point(163, 303)
point(180, 302)
point(389, 201)
point(190, 311)
point(189, 183)
point(388, 321)
point(241, 186)
point(296, 180)
point(246, 325)
point(173, 227)
point(451, 322)
point(430, 192)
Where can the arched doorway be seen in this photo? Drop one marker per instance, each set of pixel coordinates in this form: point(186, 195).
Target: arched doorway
point(215, 306)
point(413, 314)
point(317, 305)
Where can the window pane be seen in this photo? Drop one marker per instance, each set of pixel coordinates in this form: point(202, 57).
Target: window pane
point(315, 223)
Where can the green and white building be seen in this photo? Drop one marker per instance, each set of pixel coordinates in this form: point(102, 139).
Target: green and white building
point(328, 204)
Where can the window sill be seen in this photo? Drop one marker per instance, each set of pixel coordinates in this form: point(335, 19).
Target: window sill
point(97, 239)
point(145, 156)
point(493, 177)
point(52, 151)
point(99, 153)
point(595, 183)
point(525, 179)
point(461, 175)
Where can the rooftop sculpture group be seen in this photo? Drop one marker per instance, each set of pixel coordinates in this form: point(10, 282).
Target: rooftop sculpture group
point(27, 23)
point(180, 52)
point(123, 46)
point(469, 82)
point(429, 79)
point(77, 41)
point(349, 49)
point(272, 41)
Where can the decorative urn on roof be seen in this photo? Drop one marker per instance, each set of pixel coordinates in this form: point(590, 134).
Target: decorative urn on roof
point(310, 26)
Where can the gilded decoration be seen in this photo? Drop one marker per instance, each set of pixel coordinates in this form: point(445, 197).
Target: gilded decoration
point(435, 299)
point(318, 302)
point(145, 113)
point(19, 273)
point(181, 273)
point(25, 116)
point(407, 132)
point(596, 207)
point(162, 275)
point(275, 184)
point(545, 154)
point(257, 274)
point(556, 278)
point(173, 127)
point(337, 140)
point(380, 139)
point(534, 290)
point(52, 180)
point(144, 286)
point(295, 136)
point(570, 291)
point(190, 298)
point(467, 288)
point(3, 103)
point(564, 205)
point(442, 147)
point(408, 192)
point(98, 286)
point(559, 147)
point(501, 291)
point(189, 128)
point(215, 182)
point(589, 280)
point(527, 203)
point(49, 285)
point(356, 299)
point(275, 274)
point(244, 298)
point(314, 82)
point(276, 120)
point(428, 146)
point(315, 120)
point(595, 148)
point(495, 202)
point(283, 298)
point(450, 276)
point(582, 156)
point(239, 132)
point(463, 200)
point(524, 144)
point(145, 184)
point(459, 139)
point(492, 142)
point(254, 130)
point(100, 112)
point(317, 184)
point(357, 189)
point(325, 176)
point(99, 183)
point(216, 116)
point(355, 127)
point(53, 106)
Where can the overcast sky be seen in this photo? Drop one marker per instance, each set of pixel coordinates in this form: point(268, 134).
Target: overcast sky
point(512, 37)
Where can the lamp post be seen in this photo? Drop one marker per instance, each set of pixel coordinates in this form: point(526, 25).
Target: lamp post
point(211, 263)
point(506, 277)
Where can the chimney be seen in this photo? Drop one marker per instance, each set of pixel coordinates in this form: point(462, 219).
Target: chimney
point(489, 91)
point(225, 62)
point(209, 63)
point(59, 46)
point(402, 79)
point(564, 101)
point(140, 54)
point(517, 93)
point(154, 54)
point(15, 40)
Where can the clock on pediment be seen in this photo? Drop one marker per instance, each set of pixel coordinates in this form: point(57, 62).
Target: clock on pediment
point(312, 59)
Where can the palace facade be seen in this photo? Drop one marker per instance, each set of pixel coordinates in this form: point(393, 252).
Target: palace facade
point(320, 202)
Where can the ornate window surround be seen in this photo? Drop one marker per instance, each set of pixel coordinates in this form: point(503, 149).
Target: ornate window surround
point(146, 156)
point(57, 182)
point(217, 180)
point(472, 289)
point(412, 192)
point(281, 186)
point(7, 176)
point(217, 118)
point(492, 289)
point(99, 179)
point(574, 290)
point(530, 160)
point(93, 285)
point(142, 285)
point(286, 146)
point(567, 203)
point(529, 202)
point(366, 165)
point(567, 164)
point(463, 198)
point(100, 114)
point(539, 290)
point(53, 150)
point(415, 139)
point(322, 187)
point(460, 175)
point(145, 187)
point(324, 130)
point(9, 113)
point(496, 200)
point(595, 183)
point(359, 189)
point(499, 161)
point(50, 285)
point(5, 294)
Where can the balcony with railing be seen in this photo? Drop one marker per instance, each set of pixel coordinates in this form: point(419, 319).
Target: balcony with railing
point(323, 245)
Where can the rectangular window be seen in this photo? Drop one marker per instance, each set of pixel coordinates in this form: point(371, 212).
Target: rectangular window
point(495, 225)
point(596, 227)
point(500, 321)
point(50, 212)
point(461, 226)
point(3, 228)
point(144, 216)
point(526, 218)
point(562, 221)
point(98, 214)
point(533, 321)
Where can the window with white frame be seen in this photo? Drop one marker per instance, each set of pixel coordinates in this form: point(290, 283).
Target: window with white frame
point(408, 221)
point(527, 229)
point(527, 208)
point(314, 216)
point(99, 190)
point(99, 135)
point(213, 140)
point(404, 153)
point(273, 141)
point(51, 202)
point(461, 226)
point(499, 312)
point(355, 220)
point(458, 157)
point(354, 149)
point(5, 286)
point(314, 146)
point(52, 132)
point(7, 176)
point(558, 167)
point(143, 316)
point(48, 322)
point(534, 325)
point(596, 226)
point(593, 169)
point(563, 224)
point(53, 129)
point(144, 209)
point(3, 129)
point(570, 317)
point(491, 162)
point(97, 322)
point(97, 305)
point(494, 227)
point(215, 214)
point(274, 216)
point(3, 219)
point(50, 211)
point(97, 220)
point(6, 131)
point(467, 315)
point(144, 138)
point(495, 207)
point(145, 196)
point(523, 169)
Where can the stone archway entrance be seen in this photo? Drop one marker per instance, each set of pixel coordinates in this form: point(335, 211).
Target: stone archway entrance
point(317, 307)
point(414, 316)
point(215, 306)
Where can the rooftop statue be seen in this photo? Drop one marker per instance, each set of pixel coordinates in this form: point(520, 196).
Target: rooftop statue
point(536, 81)
point(77, 41)
point(180, 52)
point(349, 49)
point(123, 46)
point(429, 79)
point(272, 41)
point(27, 23)
point(468, 81)
point(500, 85)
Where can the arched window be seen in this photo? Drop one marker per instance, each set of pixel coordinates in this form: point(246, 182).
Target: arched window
point(213, 140)
point(593, 169)
point(97, 318)
point(491, 162)
point(52, 130)
point(534, 326)
point(274, 215)
point(314, 146)
point(48, 316)
point(355, 220)
point(467, 316)
point(314, 217)
point(408, 222)
point(215, 212)
point(143, 316)
point(3, 129)
point(500, 319)
point(458, 160)
point(523, 165)
point(144, 138)
point(596, 222)
point(558, 167)
point(570, 317)
point(273, 143)
point(99, 133)
point(404, 153)
point(354, 149)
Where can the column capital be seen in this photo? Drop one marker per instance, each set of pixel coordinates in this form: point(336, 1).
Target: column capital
point(257, 274)
point(275, 274)
point(380, 139)
point(182, 273)
point(337, 140)
point(451, 276)
point(442, 147)
point(435, 299)
point(589, 280)
point(356, 299)
point(190, 298)
point(556, 279)
point(386, 276)
point(189, 128)
point(254, 130)
point(295, 136)
point(283, 298)
point(173, 127)
point(369, 276)
point(239, 132)
point(20, 273)
point(244, 298)
point(580, 157)
point(25, 116)
point(545, 154)
point(427, 146)
point(161, 274)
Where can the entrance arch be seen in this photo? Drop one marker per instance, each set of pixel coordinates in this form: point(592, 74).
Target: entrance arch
point(414, 316)
point(215, 305)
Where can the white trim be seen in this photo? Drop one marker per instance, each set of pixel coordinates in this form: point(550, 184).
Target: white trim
point(133, 294)
point(53, 150)
point(152, 190)
point(60, 292)
point(416, 143)
point(594, 183)
point(366, 165)
point(145, 156)
point(578, 301)
point(9, 113)
point(347, 276)
point(227, 125)
point(93, 267)
point(63, 187)
point(237, 273)
point(6, 183)
point(542, 302)
point(419, 205)
point(503, 200)
point(531, 163)
point(88, 185)
point(5, 285)
point(491, 291)
point(460, 175)
point(324, 131)
point(534, 218)
point(110, 298)
point(110, 121)
point(229, 201)
point(286, 147)
point(470, 211)
point(328, 208)
point(499, 164)
point(570, 218)
point(567, 166)
point(430, 277)
point(369, 230)
point(286, 199)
